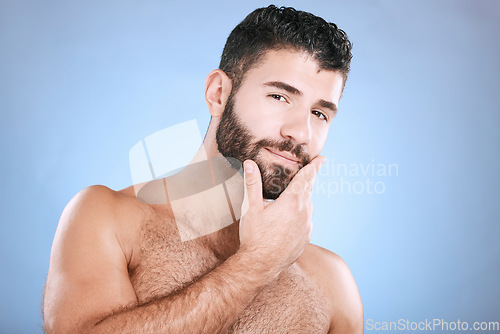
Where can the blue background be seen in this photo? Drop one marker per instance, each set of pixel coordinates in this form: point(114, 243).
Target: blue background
point(82, 82)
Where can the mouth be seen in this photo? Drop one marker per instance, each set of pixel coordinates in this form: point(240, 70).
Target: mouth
point(283, 157)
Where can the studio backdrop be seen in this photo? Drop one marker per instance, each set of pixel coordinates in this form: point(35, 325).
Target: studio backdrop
point(409, 193)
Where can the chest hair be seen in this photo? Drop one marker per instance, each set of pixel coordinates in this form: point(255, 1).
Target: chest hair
point(292, 303)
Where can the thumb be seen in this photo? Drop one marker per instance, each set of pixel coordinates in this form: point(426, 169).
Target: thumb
point(252, 197)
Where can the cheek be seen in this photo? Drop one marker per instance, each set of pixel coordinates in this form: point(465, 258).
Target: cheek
point(258, 118)
point(264, 128)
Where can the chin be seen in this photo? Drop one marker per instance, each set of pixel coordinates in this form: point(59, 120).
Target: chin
point(275, 179)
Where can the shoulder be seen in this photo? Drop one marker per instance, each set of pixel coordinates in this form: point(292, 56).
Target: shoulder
point(335, 279)
point(99, 205)
point(92, 249)
point(104, 204)
point(93, 195)
point(98, 212)
point(89, 200)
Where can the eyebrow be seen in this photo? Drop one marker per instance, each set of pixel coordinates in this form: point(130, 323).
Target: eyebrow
point(292, 90)
point(328, 105)
point(286, 87)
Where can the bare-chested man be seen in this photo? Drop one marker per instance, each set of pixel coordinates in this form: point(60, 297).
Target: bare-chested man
point(118, 262)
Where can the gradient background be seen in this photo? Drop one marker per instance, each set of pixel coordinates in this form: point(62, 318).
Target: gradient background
point(82, 82)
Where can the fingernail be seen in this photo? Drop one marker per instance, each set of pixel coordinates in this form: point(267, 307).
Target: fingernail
point(248, 166)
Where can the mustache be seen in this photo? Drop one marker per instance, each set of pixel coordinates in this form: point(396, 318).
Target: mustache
point(284, 145)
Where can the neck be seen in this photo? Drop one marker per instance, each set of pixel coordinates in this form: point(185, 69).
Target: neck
point(206, 198)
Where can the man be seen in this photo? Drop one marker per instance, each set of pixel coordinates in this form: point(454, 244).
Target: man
point(118, 263)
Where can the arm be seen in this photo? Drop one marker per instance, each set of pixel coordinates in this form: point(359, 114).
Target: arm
point(89, 291)
point(88, 288)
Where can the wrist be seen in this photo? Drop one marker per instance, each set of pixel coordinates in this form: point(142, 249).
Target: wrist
point(258, 264)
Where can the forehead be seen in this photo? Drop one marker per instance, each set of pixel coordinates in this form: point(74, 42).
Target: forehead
point(298, 69)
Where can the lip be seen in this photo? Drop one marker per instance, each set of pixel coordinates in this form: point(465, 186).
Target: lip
point(283, 156)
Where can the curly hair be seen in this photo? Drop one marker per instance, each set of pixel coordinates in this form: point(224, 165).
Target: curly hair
point(273, 28)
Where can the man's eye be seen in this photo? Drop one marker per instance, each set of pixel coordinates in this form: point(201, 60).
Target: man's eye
point(320, 115)
point(278, 97)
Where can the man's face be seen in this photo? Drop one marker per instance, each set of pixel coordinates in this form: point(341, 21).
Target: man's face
point(280, 116)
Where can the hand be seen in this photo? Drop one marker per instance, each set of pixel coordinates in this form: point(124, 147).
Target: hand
point(277, 232)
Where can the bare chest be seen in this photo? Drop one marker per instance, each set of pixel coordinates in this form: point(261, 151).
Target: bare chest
point(292, 303)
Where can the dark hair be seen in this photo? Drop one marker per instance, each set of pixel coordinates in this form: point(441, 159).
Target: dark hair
point(273, 28)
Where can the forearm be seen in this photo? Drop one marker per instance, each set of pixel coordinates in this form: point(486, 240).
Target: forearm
point(209, 305)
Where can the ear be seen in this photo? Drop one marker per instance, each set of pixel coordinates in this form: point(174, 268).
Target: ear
point(217, 90)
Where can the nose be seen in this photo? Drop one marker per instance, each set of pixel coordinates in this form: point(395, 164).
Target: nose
point(297, 127)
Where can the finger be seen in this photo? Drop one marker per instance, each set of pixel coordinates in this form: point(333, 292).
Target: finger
point(309, 220)
point(310, 186)
point(252, 197)
point(310, 210)
point(302, 183)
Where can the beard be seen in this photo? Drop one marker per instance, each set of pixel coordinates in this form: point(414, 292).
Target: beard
point(234, 140)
